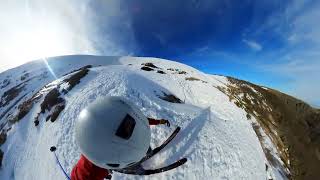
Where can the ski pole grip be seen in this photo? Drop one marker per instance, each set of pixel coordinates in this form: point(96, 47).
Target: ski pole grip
point(53, 148)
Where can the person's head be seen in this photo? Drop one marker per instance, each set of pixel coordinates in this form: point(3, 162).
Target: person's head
point(112, 133)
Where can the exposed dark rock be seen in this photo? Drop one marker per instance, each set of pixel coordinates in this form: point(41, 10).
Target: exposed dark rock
point(170, 98)
point(48, 117)
point(36, 122)
point(3, 137)
point(64, 91)
point(192, 79)
point(182, 72)
point(1, 157)
point(53, 102)
point(9, 108)
point(5, 83)
point(82, 68)
point(160, 72)
point(75, 78)
point(24, 76)
point(149, 65)
point(12, 93)
point(56, 112)
point(50, 100)
point(25, 107)
point(177, 71)
point(2, 126)
point(145, 68)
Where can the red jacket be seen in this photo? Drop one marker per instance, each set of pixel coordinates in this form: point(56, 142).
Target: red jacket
point(85, 170)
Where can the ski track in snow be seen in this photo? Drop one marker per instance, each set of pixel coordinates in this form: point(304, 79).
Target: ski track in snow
point(216, 136)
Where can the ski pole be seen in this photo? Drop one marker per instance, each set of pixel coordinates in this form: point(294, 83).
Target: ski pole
point(53, 149)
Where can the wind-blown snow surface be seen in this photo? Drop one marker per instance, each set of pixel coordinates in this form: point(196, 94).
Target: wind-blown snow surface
point(216, 136)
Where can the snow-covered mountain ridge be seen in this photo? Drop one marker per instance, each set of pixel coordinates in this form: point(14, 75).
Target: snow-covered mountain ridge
point(223, 135)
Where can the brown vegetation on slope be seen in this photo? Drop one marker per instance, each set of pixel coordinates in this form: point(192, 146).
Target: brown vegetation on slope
point(52, 102)
point(292, 125)
point(170, 98)
point(195, 79)
point(5, 83)
point(12, 93)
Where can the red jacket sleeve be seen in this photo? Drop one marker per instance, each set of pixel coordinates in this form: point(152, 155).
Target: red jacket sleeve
point(154, 121)
point(85, 170)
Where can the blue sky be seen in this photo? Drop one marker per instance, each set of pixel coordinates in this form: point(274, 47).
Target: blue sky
point(269, 42)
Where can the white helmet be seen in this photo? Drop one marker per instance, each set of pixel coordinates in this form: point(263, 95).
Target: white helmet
point(112, 133)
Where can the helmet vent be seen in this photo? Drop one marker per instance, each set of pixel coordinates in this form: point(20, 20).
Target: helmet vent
point(126, 127)
point(114, 165)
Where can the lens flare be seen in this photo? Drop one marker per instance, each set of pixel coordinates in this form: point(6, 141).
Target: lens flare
point(49, 68)
point(35, 43)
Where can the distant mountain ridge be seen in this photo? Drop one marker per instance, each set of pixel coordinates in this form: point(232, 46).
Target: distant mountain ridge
point(293, 125)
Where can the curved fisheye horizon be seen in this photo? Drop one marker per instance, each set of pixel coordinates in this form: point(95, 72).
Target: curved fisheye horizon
point(163, 89)
point(271, 43)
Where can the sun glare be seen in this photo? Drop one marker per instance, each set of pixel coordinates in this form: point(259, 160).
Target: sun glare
point(35, 43)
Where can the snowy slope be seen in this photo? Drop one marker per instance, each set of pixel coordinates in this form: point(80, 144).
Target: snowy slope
point(216, 136)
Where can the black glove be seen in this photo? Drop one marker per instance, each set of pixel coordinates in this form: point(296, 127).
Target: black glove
point(53, 148)
point(163, 121)
point(108, 177)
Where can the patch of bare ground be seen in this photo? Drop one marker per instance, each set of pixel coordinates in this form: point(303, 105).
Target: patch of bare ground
point(1, 157)
point(170, 98)
point(194, 79)
point(10, 94)
point(76, 77)
point(292, 125)
point(56, 112)
point(149, 67)
point(161, 72)
point(145, 68)
point(52, 97)
point(82, 68)
point(15, 91)
point(177, 71)
point(5, 83)
point(3, 137)
point(52, 103)
point(24, 76)
point(267, 151)
point(148, 64)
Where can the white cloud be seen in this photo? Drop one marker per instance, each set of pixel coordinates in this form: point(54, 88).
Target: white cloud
point(32, 29)
point(298, 60)
point(306, 26)
point(302, 69)
point(252, 44)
